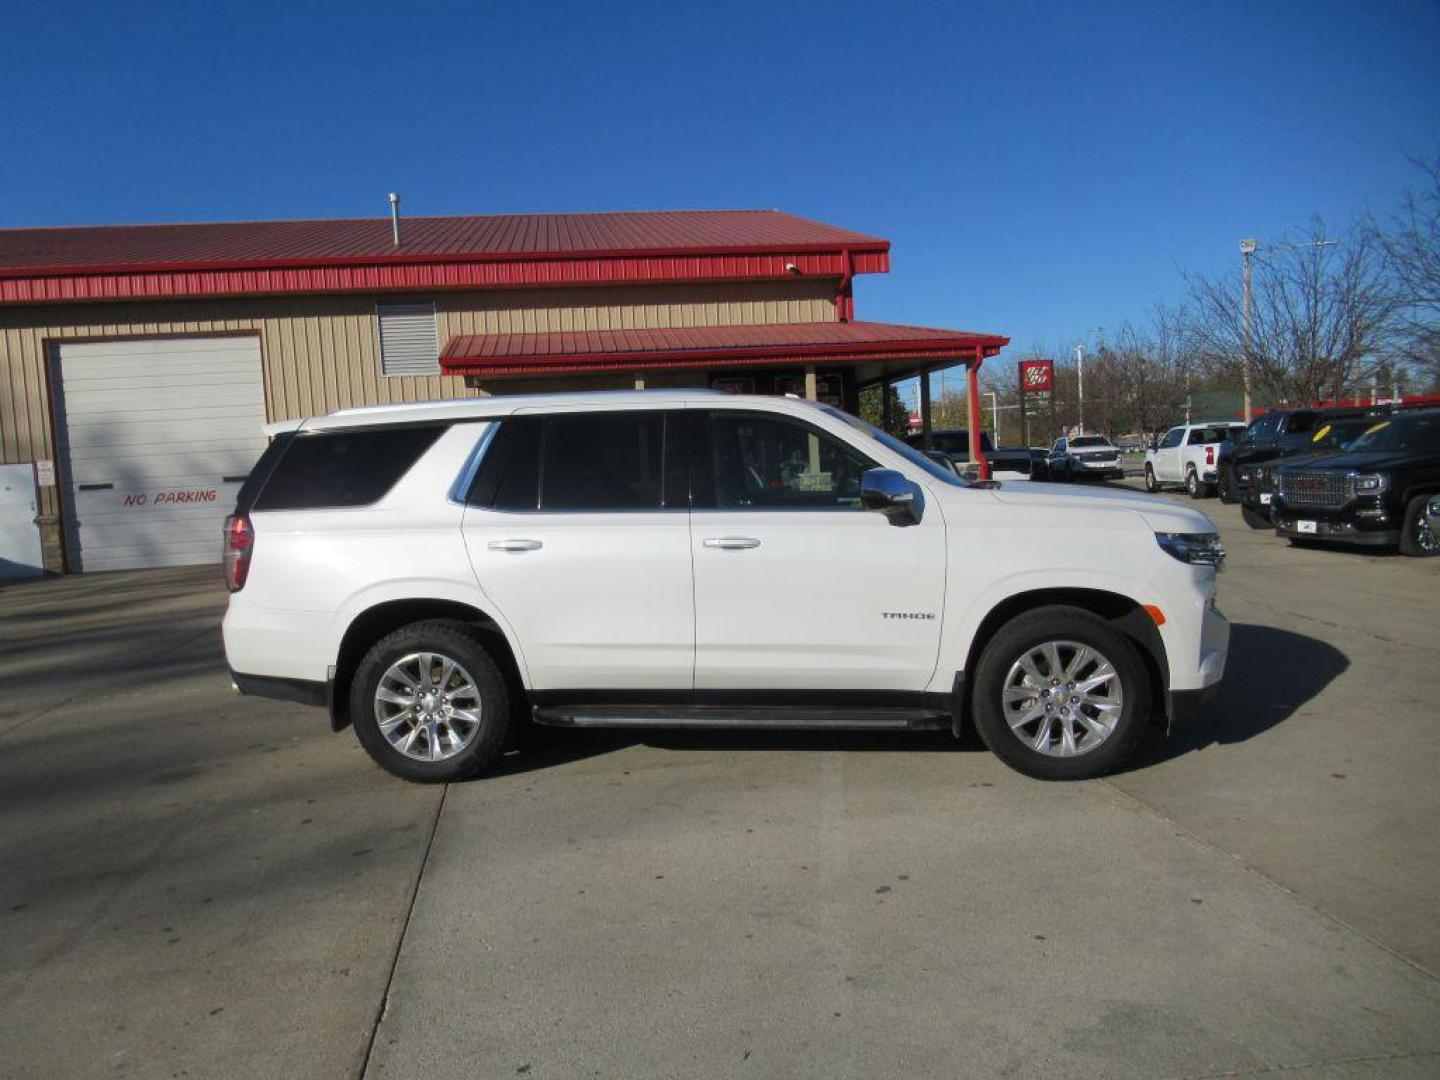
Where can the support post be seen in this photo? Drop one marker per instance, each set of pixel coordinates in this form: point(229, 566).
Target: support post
point(639, 381)
point(972, 400)
point(925, 408)
point(812, 391)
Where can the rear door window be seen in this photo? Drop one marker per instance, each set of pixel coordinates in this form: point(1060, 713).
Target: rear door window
point(349, 467)
point(603, 461)
point(583, 462)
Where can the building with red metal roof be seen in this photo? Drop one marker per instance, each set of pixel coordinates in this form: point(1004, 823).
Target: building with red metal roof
point(138, 360)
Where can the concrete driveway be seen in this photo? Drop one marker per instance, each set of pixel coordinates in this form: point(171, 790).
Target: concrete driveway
point(193, 884)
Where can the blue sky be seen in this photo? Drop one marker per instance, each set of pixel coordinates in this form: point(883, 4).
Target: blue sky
point(1041, 169)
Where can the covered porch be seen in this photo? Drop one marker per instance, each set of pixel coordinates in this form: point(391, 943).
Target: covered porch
point(832, 362)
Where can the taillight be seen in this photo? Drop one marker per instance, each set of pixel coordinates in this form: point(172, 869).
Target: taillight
point(1209, 455)
point(239, 544)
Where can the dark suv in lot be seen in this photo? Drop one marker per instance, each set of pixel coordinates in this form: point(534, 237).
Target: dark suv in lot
point(1332, 434)
point(1382, 490)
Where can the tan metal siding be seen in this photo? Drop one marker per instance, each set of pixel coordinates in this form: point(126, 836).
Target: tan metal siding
point(322, 353)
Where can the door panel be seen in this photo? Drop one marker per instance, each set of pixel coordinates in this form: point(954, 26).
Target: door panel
point(796, 586)
point(826, 600)
point(604, 600)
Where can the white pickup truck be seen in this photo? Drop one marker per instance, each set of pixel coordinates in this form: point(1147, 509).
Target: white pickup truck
point(432, 573)
point(1190, 455)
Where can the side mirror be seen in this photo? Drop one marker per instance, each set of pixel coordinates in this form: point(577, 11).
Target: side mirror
point(888, 492)
point(1154, 445)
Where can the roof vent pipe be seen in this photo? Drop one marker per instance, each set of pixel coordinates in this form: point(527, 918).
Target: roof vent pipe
point(395, 217)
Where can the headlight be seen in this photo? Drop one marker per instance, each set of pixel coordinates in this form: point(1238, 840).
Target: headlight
point(1370, 483)
point(1198, 549)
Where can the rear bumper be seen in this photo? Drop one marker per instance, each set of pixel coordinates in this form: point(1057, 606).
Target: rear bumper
point(302, 691)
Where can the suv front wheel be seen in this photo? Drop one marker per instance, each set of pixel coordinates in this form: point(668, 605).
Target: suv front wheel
point(1060, 694)
point(429, 704)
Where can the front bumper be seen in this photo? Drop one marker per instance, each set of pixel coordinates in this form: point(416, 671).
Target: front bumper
point(1363, 522)
point(1104, 470)
point(1182, 706)
point(1336, 532)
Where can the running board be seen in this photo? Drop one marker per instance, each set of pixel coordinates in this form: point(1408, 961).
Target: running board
point(779, 717)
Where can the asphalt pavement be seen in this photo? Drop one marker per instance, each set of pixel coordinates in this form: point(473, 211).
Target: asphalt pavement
point(201, 885)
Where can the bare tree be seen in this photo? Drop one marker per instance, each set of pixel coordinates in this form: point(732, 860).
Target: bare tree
point(1412, 250)
point(1321, 316)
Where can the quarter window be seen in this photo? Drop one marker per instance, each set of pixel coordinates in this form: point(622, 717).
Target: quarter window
point(342, 468)
point(766, 462)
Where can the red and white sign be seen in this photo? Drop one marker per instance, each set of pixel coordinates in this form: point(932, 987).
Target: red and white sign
point(1037, 376)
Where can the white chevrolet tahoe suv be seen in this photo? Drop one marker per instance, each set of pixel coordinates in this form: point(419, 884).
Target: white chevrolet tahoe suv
point(435, 573)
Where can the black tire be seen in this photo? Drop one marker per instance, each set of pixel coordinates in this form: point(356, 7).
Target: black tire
point(451, 640)
point(1030, 630)
point(1412, 543)
point(1229, 490)
point(1254, 518)
point(1193, 487)
point(1151, 484)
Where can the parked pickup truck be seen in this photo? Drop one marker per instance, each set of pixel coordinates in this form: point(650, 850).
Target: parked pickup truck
point(954, 443)
point(432, 573)
point(1382, 490)
point(1278, 433)
point(1333, 434)
point(1188, 454)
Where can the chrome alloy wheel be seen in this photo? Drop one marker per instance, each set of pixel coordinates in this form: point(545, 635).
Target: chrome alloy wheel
point(1062, 698)
point(427, 706)
point(1427, 526)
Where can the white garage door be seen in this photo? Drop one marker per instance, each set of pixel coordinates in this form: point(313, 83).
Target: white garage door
point(155, 439)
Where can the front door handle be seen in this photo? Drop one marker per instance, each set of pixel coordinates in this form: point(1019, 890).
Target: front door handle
point(731, 543)
point(515, 545)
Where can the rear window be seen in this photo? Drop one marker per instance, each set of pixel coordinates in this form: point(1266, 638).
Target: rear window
point(334, 469)
point(1089, 440)
point(1206, 436)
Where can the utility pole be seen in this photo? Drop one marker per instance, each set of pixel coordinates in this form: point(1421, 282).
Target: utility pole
point(1080, 375)
point(1247, 249)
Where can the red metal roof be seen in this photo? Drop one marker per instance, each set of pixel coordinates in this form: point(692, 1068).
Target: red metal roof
point(510, 355)
point(229, 258)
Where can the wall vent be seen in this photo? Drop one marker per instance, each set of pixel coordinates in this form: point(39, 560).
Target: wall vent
point(409, 339)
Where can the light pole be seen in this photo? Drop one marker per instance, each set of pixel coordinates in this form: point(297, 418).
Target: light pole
point(1247, 249)
point(995, 415)
point(1247, 252)
point(1080, 388)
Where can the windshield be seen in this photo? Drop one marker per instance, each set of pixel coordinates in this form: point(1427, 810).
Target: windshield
point(1090, 440)
point(1413, 433)
point(1333, 434)
point(910, 454)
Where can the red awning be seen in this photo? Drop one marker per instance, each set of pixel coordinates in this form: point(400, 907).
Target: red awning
point(495, 356)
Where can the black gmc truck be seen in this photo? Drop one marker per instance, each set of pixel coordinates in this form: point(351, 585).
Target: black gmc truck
point(1382, 490)
point(1331, 435)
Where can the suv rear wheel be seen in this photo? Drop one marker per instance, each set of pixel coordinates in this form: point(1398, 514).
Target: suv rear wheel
point(429, 704)
point(1420, 535)
point(1060, 694)
point(1193, 486)
point(1151, 484)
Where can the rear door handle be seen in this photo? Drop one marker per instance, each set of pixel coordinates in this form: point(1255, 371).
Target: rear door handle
point(731, 543)
point(515, 545)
